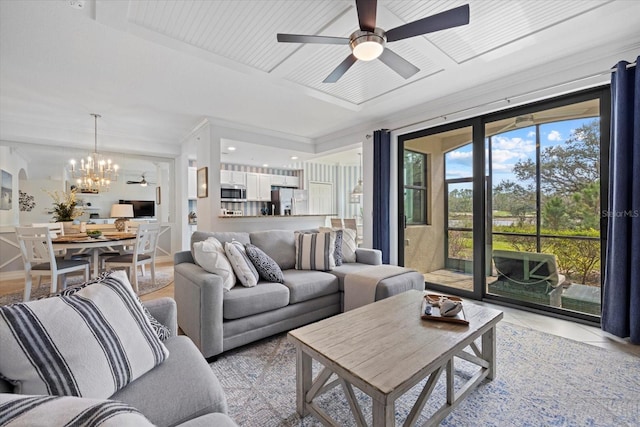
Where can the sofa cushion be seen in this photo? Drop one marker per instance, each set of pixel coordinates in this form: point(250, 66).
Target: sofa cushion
point(210, 255)
point(242, 266)
point(46, 343)
point(268, 269)
point(29, 410)
point(278, 244)
point(305, 285)
point(241, 302)
point(181, 389)
point(315, 251)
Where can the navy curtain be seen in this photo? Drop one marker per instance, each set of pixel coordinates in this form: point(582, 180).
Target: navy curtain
point(381, 173)
point(621, 291)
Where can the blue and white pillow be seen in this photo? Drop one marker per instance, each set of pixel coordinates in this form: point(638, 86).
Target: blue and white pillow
point(26, 410)
point(242, 265)
point(268, 269)
point(88, 344)
point(315, 251)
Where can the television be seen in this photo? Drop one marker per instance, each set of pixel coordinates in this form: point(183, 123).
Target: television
point(141, 208)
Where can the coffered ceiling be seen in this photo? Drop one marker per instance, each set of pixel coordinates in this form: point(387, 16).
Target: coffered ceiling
point(155, 69)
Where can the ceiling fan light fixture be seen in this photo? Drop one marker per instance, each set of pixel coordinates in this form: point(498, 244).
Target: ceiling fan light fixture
point(366, 45)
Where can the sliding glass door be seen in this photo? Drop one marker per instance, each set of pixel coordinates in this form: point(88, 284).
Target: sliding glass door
point(545, 197)
point(437, 207)
point(510, 206)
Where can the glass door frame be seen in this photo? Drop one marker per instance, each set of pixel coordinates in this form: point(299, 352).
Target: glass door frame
point(479, 227)
point(480, 217)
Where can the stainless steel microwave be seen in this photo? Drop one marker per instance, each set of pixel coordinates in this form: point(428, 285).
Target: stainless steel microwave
point(233, 193)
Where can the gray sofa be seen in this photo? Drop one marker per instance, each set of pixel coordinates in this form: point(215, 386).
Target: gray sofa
point(182, 390)
point(218, 321)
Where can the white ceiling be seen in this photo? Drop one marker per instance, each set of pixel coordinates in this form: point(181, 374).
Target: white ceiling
point(156, 69)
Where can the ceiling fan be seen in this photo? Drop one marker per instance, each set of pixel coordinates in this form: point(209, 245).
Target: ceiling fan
point(368, 43)
point(143, 182)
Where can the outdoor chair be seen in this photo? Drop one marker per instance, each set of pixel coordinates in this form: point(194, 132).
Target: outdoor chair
point(39, 259)
point(527, 276)
point(144, 252)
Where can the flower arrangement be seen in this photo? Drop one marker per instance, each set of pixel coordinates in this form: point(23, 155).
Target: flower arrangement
point(65, 206)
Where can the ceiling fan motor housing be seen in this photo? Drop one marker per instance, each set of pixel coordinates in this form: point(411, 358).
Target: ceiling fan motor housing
point(367, 45)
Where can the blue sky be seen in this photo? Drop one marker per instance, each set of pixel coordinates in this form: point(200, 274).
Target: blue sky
point(510, 147)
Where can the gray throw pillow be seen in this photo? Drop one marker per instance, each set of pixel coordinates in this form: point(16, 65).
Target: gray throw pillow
point(268, 269)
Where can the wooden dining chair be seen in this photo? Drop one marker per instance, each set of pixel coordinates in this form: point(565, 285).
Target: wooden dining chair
point(144, 252)
point(336, 223)
point(40, 260)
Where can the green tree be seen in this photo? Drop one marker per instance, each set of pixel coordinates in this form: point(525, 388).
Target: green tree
point(555, 215)
point(567, 168)
point(517, 199)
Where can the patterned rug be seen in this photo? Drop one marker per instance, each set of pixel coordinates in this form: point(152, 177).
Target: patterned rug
point(542, 380)
point(145, 285)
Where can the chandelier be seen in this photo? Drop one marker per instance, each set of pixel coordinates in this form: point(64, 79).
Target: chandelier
point(94, 173)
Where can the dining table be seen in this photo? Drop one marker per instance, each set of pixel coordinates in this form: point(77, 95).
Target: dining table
point(82, 241)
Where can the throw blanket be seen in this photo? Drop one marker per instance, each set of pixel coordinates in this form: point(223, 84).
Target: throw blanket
point(360, 287)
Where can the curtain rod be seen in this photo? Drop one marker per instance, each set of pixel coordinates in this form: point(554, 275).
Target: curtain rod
point(508, 99)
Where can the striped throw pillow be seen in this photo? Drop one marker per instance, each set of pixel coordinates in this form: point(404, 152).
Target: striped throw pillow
point(89, 344)
point(24, 410)
point(314, 251)
point(242, 266)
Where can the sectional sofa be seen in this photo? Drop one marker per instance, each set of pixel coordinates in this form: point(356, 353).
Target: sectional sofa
point(218, 320)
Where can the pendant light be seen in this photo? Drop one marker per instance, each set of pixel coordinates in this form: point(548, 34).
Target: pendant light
point(95, 174)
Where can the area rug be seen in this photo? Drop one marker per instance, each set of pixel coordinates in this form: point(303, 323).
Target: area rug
point(542, 380)
point(145, 284)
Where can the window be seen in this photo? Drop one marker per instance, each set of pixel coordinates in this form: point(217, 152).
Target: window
point(415, 187)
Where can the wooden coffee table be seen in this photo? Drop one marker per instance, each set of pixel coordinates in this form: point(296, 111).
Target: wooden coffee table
point(385, 349)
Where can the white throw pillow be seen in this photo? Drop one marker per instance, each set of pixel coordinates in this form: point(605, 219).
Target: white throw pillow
point(314, 251)
point(210, 255)
point(242, 265)
point(34, 411)
point(349, 245)
point(89, 344)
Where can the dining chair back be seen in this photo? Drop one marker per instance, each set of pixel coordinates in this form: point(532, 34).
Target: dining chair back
point(144, 252)
point(336, 222)
point(40, 260)
point(56, 229)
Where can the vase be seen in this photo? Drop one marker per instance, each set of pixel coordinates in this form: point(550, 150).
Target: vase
point(69, 227)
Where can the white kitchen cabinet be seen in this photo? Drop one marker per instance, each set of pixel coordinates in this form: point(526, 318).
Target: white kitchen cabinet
point(258, 186)
point(232, 177)
point(192, 192)
point(264, 186)
point(285, 181)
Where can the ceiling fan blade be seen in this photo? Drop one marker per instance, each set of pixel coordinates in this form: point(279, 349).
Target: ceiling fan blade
point(134, 182)
point(398, 64)
point(301, 38)
point(340, 69)
point(367, 14)
point(440, 21)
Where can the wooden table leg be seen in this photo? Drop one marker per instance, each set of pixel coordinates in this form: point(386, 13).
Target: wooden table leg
point(489, 351)
point(384, 414)
point(303, 380)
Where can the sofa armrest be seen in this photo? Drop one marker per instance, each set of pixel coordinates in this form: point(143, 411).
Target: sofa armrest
point(198, 295)
point(182, 256)
point(369, 256)
point(165, 312)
